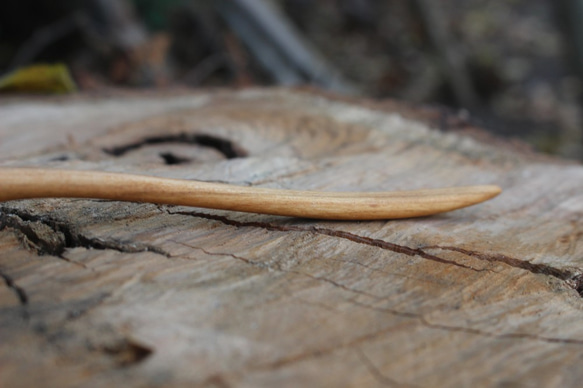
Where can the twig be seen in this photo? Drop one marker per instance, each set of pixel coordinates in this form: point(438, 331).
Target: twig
point(44, 37)
point(450, 57)
point(206, 68)
point(278, 46)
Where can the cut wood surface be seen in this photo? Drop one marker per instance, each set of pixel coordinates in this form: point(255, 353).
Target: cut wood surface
point(104, 293)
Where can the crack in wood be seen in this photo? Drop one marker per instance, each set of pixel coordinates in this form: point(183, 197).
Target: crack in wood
point(207, 252)
point(534, 268)
point(386, 273)
point(171, 159)
point(332, 233)
point(99, 300)
point(77, 312)
point(127, 352)
point(319, 353)
point(402, 314)
point(47, 236)
point(336, 284)
point(572, 277)
point(285, 361)
point(20, 293)
point(423, 320)
point(278, 268)
point(226, 147)
point(121, 350)
point(377, 374)
point(374, 336)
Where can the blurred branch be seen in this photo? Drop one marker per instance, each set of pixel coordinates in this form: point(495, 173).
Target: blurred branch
point(44, 37)
point(205, 68)
point(107, 23)
point(451, 59)
point(278, 46)
point(569, 18)
point(570, 21)
point(115, 23)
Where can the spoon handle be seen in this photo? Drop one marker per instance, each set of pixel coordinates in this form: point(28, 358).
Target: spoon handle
point(23, 183)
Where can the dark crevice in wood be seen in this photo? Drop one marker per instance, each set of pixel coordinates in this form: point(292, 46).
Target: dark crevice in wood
point(332, 233)
point(40, 236)
point(277, 267)
point(83, 308)
point(390, 246)
point(207, 252)
point(578, 284)
point(224, 146)
point(60, 158)
point(128, 353)
point(376, 337)
point(515, 336)
point(322, 351)
point(572, 277)
point(468, 330)
point(171, 159)
point(120, 246)
point(47, 236)
point(18, 291)
point(376, 373)
point(336, 284)
point(403, 314)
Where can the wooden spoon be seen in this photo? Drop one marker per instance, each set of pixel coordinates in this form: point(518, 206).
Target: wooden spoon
point(22, 183)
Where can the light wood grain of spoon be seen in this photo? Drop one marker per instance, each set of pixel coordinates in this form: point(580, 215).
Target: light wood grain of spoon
point(23, 183)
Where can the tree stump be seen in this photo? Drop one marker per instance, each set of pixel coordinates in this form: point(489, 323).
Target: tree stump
point(100, 293)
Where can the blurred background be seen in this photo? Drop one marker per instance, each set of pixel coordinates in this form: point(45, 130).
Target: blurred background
point(511, 66)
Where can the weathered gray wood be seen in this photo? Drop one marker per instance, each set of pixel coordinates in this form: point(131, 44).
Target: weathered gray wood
point(104, 293)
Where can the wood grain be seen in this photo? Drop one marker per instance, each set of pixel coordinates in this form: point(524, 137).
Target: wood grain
point(106, 293)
